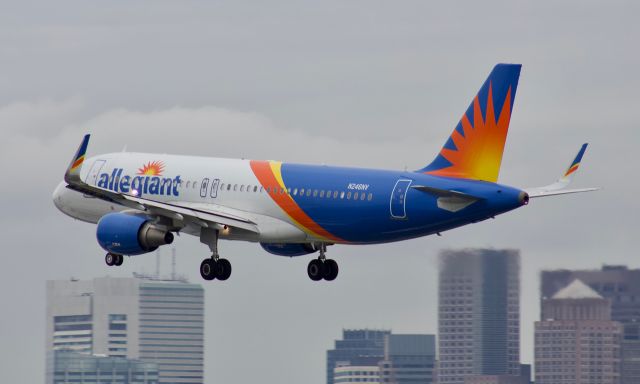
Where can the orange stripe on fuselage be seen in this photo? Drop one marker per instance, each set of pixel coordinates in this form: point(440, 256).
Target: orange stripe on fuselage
point(265, 174)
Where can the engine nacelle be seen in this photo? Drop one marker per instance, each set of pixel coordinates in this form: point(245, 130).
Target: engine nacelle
point(289, 249)
point(125, 234)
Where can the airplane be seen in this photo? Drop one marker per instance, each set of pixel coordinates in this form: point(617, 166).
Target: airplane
point(139, 200)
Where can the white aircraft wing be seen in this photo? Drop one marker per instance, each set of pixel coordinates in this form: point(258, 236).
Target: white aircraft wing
point(174, 211)
point(558, 188)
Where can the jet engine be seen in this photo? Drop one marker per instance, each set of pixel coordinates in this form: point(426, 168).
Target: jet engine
point(125, 234)
point(289, 249)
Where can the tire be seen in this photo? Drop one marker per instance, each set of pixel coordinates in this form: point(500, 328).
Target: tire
point(315, 270)
point(119, 260)
point(330, 270)
point(207, 269)
point(110, 259)
point(223, 269)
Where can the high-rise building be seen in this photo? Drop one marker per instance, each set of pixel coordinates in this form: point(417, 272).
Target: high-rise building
point(408, 359)
point(619, 284)
point(160, 321)
point(355, 344)
point(576, 341)
point(67, 367)
point(354, 372)
point(478, 314)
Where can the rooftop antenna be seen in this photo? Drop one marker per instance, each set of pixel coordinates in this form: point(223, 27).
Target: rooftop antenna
point(173, 263)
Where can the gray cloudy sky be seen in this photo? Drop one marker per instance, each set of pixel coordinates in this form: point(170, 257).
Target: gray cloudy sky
point(366, 83)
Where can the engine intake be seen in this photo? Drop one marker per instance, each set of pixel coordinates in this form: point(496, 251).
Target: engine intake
point(125, 234)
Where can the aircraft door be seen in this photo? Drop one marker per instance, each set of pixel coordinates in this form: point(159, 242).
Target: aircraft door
point(214, 188)
point(399, 198)
point(92, 176)
point(204, 186)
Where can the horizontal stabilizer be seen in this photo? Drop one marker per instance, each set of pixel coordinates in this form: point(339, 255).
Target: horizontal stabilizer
point(449, 200)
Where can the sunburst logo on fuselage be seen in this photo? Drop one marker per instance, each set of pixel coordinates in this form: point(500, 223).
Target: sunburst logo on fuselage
point(152, 168)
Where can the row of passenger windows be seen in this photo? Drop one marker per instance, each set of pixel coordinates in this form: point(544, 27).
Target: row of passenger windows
point(318, 193)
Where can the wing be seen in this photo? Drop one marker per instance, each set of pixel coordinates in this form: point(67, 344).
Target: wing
point(558, 188)
point(179, 213)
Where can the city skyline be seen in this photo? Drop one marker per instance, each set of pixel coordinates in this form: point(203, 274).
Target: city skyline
point(359, 83)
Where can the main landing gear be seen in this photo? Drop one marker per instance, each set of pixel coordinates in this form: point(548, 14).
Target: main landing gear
point(322, 268)
point(113, 259)
point(213, 267)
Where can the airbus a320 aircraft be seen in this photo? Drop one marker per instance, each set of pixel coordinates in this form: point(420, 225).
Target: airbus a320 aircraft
point(138, 200)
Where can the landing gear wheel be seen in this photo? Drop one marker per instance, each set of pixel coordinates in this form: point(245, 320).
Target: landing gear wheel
point(315, 269)
point(119, 260)
point(110, 259)
point(223, 269)
point(207, 268)
point(330, 270)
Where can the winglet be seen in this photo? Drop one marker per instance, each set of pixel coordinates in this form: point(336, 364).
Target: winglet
point(558, 188)
point(72, 175)
point(573, 168)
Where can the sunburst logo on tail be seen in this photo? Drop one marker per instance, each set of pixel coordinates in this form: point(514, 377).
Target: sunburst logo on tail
point(152, 168)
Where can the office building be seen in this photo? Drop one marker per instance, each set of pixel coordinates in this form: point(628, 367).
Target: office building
point(408, 359)
point(159, 321)
point(354, 373)
point(576, 341)
point(66, 367)
point(478, 314)
point(355, 344)
point(621, 286)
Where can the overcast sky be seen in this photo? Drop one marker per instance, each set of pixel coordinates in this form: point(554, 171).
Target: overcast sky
point(365, 83)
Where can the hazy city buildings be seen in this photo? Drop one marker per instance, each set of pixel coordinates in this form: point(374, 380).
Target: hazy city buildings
point(355, 344)
point(478, 314)
point(382, 357)
point(66, 367)
point(408, 359)
point(576, 341)
point(622, 286)
point(159, 321)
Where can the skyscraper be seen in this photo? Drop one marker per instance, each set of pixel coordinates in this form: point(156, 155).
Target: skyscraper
point(160, 321)
point(479, 314)
point(408, 359)
point(622, 286)
point(355, 344)
point(576, 341)
point(66, 367)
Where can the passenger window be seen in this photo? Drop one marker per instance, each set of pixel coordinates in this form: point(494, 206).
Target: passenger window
point(335, 194)
point(308, 192)
point(242, 188)
point(222, 186)
point(188, 184)
point(235, 187)
point(370, 197)
point(195, 184)
point(355, 195)
point(328, 194)
point(268, 189)
point(228, 187)
point(349, 195)
point(301, 191)
point(342, 195)
point(362, 197)
point(282, 191)
point(315, 193)
point(295, 191)
point(255, 188)
point(248, 188)
point(261, 189)
point(289, 190)
point(322, 193)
